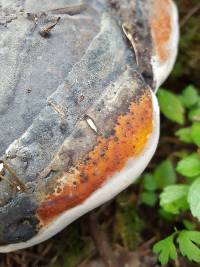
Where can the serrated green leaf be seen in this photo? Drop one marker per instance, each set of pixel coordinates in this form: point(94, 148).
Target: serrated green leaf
point(174, 198)
point(149, 198)
point(194, 114)
point(149, 182)
point(165, 174)
point(166, 249)
point(184, 135)
point(188, 244)
point(194, 198)
point(190, 96)
point(195, 133)
point(171, 106)
point(189, 166)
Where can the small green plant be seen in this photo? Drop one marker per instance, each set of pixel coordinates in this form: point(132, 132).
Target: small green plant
point(175, 182)
point(188, 242)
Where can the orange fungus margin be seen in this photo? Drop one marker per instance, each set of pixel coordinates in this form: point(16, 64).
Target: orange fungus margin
point(132, 131)
point(161, 27)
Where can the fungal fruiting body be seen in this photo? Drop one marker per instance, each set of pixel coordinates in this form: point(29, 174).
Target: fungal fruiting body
point(89, 125)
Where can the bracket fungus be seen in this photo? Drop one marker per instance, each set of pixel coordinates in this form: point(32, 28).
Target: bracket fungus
point(79, 119)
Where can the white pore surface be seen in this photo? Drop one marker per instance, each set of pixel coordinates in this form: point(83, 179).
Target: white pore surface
point(118, 182)
point(162, 70)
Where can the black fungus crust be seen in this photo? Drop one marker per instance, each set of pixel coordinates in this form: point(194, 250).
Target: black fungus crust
point(18, 222)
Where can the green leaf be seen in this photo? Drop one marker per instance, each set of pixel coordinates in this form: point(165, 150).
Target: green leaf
point(189, 225)
point(171, 106)
point(149, 182)
point(194, 114)
point(165, 174)
point(196, 133)
point(189, 96)
point(166, 215)
point(184, 135)
point(188, 244)
point(149, 198)
point(166, 249)
point(194, 198)
point(189, 166)
point(174, 198)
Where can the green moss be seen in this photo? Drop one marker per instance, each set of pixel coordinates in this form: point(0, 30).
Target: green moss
point(128, 224)
point(71, 248)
